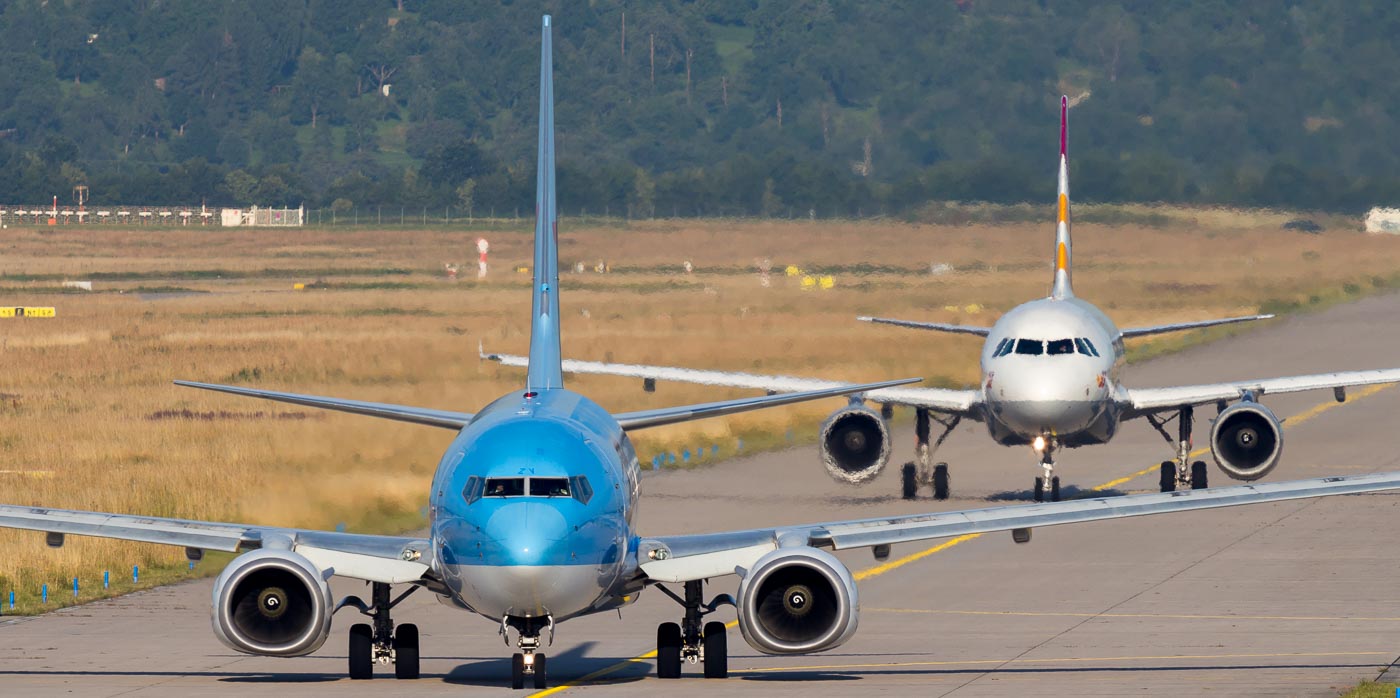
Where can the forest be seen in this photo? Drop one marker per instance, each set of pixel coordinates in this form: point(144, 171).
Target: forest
point(700, 107)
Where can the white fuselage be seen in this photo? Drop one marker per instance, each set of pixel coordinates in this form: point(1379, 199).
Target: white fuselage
point(1050, 369)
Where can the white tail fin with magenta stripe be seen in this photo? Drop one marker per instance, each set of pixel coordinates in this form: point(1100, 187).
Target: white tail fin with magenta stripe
point(1063, 250)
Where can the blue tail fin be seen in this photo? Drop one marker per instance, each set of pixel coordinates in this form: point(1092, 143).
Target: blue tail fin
point(545, 369)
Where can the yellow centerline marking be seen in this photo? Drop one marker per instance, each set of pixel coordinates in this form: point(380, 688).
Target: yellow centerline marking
point(1169, 616)
point(914, 557)
point(1061, 660)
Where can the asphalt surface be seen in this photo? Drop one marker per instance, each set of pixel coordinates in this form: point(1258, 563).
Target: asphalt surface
point(1278, 599)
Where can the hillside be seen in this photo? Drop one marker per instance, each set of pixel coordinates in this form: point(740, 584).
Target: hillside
point(686, 107)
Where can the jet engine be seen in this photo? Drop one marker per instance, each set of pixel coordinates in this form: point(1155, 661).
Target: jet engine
point(855, 444)
point(1246, 440)
point(272, 602)
point(797, 600)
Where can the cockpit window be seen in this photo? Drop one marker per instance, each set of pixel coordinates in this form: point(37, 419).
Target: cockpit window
point(549, 487)
point(1000, 346)
point(472, 491)
point(1090, 346)
point(1005, 348)
point(505, 486)
point(1059, 346)
point(1030, 347)
point(581, 489)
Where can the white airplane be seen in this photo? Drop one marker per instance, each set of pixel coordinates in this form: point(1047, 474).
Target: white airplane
point(1050, 380)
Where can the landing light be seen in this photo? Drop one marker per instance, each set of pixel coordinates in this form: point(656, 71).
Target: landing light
point(1038, 444)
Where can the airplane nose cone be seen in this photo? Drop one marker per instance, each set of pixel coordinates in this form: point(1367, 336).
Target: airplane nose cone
point(527, 533)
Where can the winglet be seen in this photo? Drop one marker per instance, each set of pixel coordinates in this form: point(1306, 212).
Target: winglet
point(1061, 287)
point(546, 369)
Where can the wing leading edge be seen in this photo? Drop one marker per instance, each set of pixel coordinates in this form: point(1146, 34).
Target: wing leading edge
point(690, 557)
point(942, 400)
point(1131, 332)
point(1145, 400)
point(416, 415)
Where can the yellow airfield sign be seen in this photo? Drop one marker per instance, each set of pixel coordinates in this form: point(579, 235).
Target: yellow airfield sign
point(23, 311)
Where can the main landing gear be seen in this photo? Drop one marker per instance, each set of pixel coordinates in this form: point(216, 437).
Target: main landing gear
point(1182, 472)
point(688, 641)
point(380, 643)
point(1047, 487)
point(917, 473)
point(528, 662)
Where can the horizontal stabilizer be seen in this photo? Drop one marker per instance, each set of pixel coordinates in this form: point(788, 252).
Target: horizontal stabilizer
point(933, 326)
point(686, 413)
point(416, 415)
point(1178, 327)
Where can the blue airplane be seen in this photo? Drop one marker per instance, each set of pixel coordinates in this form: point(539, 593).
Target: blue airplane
point(531, 524)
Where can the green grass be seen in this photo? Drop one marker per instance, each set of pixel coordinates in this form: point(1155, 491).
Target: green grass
point(1372, 689)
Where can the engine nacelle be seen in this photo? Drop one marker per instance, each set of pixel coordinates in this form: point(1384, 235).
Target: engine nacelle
point(855, 444)
point(1246, 440)
point(797, 600)
point(272, 602)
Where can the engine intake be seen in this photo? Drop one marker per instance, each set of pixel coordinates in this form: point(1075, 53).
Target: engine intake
point(1246, 440)
point(797, 600)
point(855, 444)
point(272, 602)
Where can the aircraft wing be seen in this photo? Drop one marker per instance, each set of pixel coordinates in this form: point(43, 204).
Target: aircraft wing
point(934, 326)
point(961, 402)
point(402, 413)
point(1145, 400)
point(1162, 329)
point(690, 557)
point(686, 413)
point(390, 559)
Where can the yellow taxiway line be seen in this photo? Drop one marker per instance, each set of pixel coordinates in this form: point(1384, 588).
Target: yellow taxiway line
point(945, 545)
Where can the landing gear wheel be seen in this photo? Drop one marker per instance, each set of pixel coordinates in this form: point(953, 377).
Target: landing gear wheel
point(668, 651)
point(716, 650)
point(517, 671)
point(1055, 488)
point(406, 651)
point(361, 651)
point(940, 481)
point(1039, 489)
point(1198, 475)
point(1167, 481)
point(541, 679)
point(909, 481)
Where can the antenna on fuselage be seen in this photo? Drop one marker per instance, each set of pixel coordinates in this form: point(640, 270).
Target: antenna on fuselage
point(545, 363)
point(1061, 287)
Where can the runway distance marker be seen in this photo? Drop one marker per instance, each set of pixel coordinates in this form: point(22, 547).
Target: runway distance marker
point(948, 544)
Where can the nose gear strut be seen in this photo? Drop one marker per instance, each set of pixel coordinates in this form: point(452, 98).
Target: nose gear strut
point(529, 661)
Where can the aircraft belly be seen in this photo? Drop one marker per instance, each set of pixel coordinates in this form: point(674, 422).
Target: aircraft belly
point(561, 591)
point(1018, 422)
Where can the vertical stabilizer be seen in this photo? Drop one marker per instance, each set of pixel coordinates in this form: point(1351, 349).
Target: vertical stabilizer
point(545, 368)
point(1064, 254)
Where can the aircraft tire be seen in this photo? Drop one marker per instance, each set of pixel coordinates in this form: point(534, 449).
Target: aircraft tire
point(909, 482)
point(406, 651)
point(940, 481)
point(668, 651)
point(1198, 475)
point(361, 651)
point(541, 678)
point(716, 650)
point(1055, 488)
point(1167, 481)
point(1039, 489)
point(517, 671)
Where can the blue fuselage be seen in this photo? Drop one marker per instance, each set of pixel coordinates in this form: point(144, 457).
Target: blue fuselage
point(531, 555)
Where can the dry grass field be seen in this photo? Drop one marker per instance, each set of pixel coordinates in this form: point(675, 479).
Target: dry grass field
point(91, 420)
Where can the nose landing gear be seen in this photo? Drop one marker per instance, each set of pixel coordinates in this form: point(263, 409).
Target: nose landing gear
point(528, 662)
point(1047, 486)
point(688, 642)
